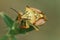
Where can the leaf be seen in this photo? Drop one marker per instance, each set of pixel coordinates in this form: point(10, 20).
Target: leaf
point(4, 37)
point(12, 38)
point(7, 19)
point(8, 37)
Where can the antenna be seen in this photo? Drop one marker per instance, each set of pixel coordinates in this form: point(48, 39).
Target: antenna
point(14, 10)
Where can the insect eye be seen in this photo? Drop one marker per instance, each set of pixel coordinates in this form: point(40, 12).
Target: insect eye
point(41, 15)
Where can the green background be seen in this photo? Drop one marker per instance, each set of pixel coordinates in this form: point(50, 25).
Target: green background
point(49, 31)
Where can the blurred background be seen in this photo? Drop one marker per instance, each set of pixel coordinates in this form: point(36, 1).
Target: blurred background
point(49, 31)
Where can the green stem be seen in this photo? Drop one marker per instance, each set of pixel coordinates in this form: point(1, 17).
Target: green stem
point(11, 37)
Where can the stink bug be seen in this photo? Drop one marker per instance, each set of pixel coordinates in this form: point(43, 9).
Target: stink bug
point(32, 16)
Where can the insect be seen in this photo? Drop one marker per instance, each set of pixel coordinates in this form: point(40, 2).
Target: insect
point(31, 15)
